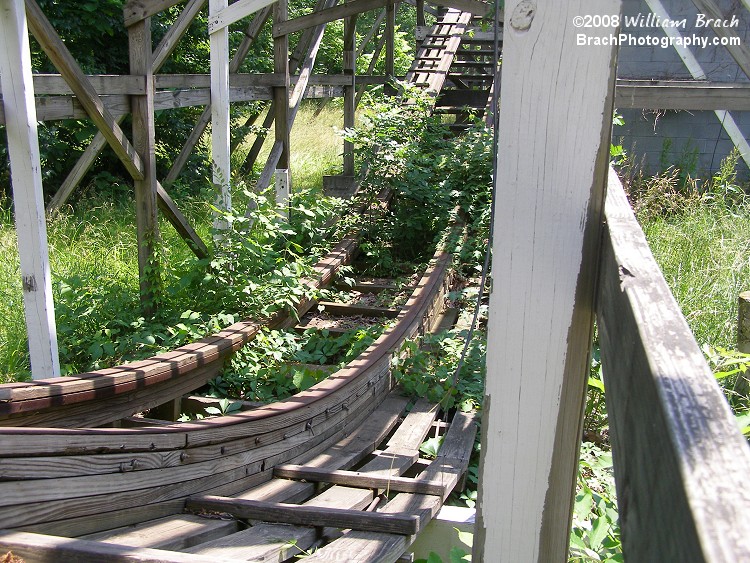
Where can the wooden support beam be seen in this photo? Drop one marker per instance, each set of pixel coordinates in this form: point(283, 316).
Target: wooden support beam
point(680, 461)
point(327, 15)
point(160, 55)
point(205, 118)
point(390, 37)
point(545, 272)
point(360, 480)
point(220, 137)
point(346, 310)
point(683, 95)
point(736, 45)
point(304, 515)
point(237, 11)
point(40, 547)
point(281, 93)
point(282, 190)
point(168, 43)
point(476, 7)
point(138, 10)
point(58, 53)
point(350, 92)
point(173, 214)
point(28, 199)
point(144, 140)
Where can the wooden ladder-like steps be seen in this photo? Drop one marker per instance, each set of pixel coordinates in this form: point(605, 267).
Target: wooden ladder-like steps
point(212, 532)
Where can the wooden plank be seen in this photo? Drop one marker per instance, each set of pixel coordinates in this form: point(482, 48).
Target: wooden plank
point(39, 548)
point(220, 137)
point(475, 7)
point(360, 546)
point(178, 532)
point(261, 542)
point(173, 35)
point(160, 55)
point(735, 44)
point(359, 479)
point(680, 462)
point(688, 95)
point(303, 515)
point(327, 15)
point(239, 56)
point(347, 310)
point(55, 49)
point(144, 142)
point(170, 210)
point(237, 11)
point(138, 10)
point(28, 199)
point(543, 291)
point(55, 84)
point(281, 93)
point(350, 92)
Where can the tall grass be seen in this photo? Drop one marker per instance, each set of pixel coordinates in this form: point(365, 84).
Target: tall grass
point(93, 244)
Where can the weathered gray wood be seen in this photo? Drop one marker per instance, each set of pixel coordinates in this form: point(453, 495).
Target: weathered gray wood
point(474, 7)
point(55, 84)
point(250, 35)
point(180, 223)
point(303, 515)
point(682, 95)
point(50, 41)
point(541, 310)
point(26, 178)
point(735, 45)
point(743, 322)
point(350, 92)
point(220, 137)
point(235, 12)
point(359, 546)
point(390, 30)
point(144, 141)
point(262, 542)
point(38, 548)
point(359, 479)
point(680, 462)
point(173, 35)
point(327, 15)
point(177, 532)
point(160, 55)
point(138, 10)
point(281, 93)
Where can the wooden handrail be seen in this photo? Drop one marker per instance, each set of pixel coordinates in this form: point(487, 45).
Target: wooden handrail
point(681, 464)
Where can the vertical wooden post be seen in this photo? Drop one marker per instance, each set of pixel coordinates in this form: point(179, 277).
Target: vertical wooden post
point(26, 178)
point(146, 217)
point(220, 138)
point(421, 24)
point(555, 124)
point(282, 191)
point(281, 93)
point(390, 35)
point(350, 91)
point(743, 322)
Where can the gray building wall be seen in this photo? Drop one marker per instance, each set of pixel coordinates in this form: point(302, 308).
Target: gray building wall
point(695, 141)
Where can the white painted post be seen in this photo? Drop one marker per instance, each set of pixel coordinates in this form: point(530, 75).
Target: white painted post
point(23, 146)
point(220, 150)
point(553, 151)
point(283, 179)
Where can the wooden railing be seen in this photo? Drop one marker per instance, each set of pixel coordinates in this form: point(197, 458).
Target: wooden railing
point(681, 464)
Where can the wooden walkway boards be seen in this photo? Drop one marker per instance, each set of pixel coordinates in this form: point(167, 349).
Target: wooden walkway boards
point(379, 510)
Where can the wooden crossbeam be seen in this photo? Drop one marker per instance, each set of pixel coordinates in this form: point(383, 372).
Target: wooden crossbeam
point(235, 12)
point(58, 53)
point(347, 310)
point(170, 210)
point(138, 10)
point(475, 7)
point(737, 46)
point(327, 15)
point(360, 480)
point(696, 96)
point(303, 515)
